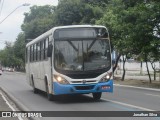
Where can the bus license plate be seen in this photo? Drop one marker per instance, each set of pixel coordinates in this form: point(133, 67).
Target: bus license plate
point(105, 87)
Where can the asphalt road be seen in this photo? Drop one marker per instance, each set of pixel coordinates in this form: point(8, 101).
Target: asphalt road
point(122, 99)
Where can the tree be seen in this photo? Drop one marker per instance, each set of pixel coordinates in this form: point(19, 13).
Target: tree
point(19, 50)
point(13, 54)
point(69, 12)
point(145, 42)
point(39, 20)
point(133, 26)
point(113, 19)
point(7, 55)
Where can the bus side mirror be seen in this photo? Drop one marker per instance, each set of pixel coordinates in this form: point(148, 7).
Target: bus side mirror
point(49, 51)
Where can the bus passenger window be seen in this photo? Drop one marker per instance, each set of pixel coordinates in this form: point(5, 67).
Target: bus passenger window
point(35, 52)
point(38, 51)
point(42, 50)
point(46, 47)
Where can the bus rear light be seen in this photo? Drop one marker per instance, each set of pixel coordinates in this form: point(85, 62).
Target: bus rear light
point(60, 79)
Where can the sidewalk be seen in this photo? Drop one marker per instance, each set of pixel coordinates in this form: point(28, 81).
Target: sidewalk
point(5, 106)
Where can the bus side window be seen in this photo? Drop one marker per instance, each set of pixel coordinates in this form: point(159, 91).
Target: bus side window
point(28, 54)
point(35, 52)
point(46, 47)
point(38, 51)
point(31, 53)
point(44, 42)
point(49, 51)
point(50, 47)
point(42, 50)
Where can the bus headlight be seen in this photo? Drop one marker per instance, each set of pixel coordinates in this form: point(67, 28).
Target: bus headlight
point(106, 78)
point(60, 79)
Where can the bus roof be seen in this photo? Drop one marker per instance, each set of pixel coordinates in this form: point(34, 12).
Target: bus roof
point(74, 26)
point(49, 32)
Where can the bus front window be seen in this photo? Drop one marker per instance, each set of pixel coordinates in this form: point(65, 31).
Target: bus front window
point(82, 55)
point(68, 55)
point(96, 54)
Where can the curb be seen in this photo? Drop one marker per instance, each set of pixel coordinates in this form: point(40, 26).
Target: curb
point(143, 88)
point(19, 105)
point(15, 101)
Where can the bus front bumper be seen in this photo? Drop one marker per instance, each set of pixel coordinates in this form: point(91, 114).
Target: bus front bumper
point(82, 88)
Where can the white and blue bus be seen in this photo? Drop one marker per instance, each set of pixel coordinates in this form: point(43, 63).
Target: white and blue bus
point(73, 59)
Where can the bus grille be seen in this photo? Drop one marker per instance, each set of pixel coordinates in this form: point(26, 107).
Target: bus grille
point(84, 87)
point(88, 81)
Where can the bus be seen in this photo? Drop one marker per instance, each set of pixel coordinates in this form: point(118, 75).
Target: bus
point(74, 59)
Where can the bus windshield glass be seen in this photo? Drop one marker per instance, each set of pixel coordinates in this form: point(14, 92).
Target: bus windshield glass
point(82, 54)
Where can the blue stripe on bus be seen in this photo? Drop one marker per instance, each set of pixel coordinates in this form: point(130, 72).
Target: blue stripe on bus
point(82, 88)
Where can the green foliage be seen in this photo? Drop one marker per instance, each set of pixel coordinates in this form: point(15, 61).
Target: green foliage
point(19, 46)
point(39, 20)
point(13, 55)
point(134, 26)
point(7, 56)
point(70, 12)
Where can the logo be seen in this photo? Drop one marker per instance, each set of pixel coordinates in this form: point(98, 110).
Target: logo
point(6, 114)
point(84, 81)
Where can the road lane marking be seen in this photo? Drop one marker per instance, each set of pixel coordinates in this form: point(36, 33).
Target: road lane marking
point(19, 117)
point(126, 104)
point(7, 102)
point(129, 105)
point(153, 95)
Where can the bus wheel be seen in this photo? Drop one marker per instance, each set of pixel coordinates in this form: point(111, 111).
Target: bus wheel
point(35, 90)
point(97, 96)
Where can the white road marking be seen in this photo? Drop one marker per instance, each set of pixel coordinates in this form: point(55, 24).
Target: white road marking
point(129, 105)
point(19, 117)
point(153, 95)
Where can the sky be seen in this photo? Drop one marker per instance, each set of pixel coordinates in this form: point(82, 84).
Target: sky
point(11, 26)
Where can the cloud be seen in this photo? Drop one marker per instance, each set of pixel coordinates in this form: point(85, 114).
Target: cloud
point(11, 27)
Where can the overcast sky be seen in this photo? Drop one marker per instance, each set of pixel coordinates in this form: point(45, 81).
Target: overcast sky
point(11, 27)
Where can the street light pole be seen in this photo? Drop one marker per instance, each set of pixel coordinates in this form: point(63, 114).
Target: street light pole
point(25, 4)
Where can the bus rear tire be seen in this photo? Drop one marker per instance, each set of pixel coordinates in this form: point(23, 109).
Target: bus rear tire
point(97, 96)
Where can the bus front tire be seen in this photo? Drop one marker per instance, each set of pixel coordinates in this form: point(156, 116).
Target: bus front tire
point(50, 97)
point(97, 96)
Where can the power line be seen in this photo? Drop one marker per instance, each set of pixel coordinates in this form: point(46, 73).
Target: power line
point(25, 4)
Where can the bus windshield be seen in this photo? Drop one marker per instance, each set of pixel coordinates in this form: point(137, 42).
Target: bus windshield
point(82, 54)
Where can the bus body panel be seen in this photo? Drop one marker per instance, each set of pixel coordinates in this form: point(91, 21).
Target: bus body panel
point(82, 88)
